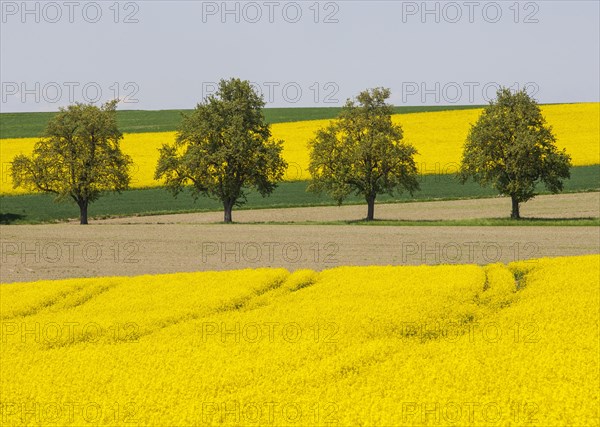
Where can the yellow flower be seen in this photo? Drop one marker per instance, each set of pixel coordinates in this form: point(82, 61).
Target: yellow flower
point(437, 345)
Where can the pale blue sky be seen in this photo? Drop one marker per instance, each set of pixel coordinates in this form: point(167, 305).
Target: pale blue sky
point(172, 54)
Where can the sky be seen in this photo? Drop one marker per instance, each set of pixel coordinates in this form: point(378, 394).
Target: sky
point(157, 55)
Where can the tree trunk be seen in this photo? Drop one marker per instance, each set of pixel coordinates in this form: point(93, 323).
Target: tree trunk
point(83, 211)
point(515, 208)
point(371, 207)
point(227, 208)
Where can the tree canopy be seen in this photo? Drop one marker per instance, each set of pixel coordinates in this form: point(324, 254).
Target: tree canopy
point(224, 148)
point(363, 152)
point(78, 158)
point(511, 148)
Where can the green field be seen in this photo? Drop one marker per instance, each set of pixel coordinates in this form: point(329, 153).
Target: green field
point(36, 208)
point(31, 125)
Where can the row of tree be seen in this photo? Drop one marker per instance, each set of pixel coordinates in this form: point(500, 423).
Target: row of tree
point(224, 148)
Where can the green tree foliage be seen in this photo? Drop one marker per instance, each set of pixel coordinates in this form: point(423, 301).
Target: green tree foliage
point(511, 148)
point(223, 148)
point(77, 158)
point(362, 152)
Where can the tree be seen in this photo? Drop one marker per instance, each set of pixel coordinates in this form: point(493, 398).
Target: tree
point(362, 152)
point(78, 157)
point(224, 148)
point(511, 148)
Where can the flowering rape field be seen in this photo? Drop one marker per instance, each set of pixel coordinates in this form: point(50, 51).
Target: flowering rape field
point(501, 344)
point(438, 136)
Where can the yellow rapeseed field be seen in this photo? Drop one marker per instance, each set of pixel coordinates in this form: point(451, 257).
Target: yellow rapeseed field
point(429, 345)
point(438, 136)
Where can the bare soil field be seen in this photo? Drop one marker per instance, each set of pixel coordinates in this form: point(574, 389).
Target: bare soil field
point(575, 205)
point(194, 242)
point(36, 252)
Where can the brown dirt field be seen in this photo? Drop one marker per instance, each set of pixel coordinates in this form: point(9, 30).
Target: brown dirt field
point(576, 205)
point(35, 252)
point(193, 242)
